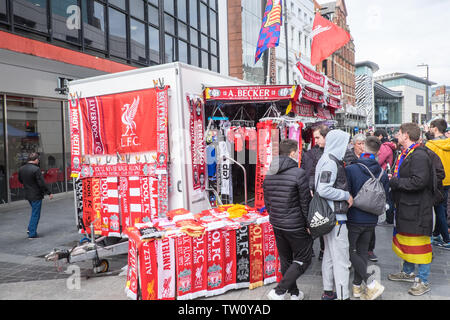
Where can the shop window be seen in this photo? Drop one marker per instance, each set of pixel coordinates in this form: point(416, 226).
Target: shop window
point(94, 24)
point(35, 125)
point(31, 14)
point(137, 33)
point(66, 20)
point(117, 34)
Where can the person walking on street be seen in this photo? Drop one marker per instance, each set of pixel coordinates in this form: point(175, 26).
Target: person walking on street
point(441, 146)
point(361, 224)
point(331, 185)
point(353, 153)
point(412, 185)
point(309, 162)
point(287, 198)
point(31, 177)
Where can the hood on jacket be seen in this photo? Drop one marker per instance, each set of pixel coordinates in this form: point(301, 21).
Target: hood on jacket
point(280, 164)
point(390, 145)
point(336, 143)
point(443, 144)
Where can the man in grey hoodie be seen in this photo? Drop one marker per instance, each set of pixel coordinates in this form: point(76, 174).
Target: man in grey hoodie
point(331, 184)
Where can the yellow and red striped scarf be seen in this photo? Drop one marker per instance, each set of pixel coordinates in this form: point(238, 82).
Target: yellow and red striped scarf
point(412, 248)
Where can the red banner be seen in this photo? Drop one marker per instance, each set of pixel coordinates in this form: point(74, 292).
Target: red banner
point(88, 206)
point(124, 203)
point(117, 170)
point(333, 88)
point(312, 95)
point(334, 103)
point(324, 113)
point(198, 151)
point(304, 109)
point(310, 75)
point(75, 137)
point(125, 122)
point(255, 93)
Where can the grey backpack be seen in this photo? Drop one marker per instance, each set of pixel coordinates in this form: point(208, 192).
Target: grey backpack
point(372, 197)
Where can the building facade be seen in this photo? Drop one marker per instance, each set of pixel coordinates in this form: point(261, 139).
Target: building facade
point(388, 108)
point(364, 93)
point(413, 89)
point(340, 66)
point(45, 43)
point(440, 102)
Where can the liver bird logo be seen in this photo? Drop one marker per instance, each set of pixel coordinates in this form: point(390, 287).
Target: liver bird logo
point(129, 112)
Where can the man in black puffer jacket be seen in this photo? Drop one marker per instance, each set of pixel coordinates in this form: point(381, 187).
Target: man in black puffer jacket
point(287, 198)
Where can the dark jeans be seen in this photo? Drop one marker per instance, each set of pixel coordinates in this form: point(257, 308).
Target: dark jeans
point(295, 251)
point(359, 239)
point(372, 241)
point(35, 216)
point(440, 210)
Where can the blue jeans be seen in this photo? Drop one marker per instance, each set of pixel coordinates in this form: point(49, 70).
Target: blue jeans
point(35, 216)
point(424, 270)
point(441, 227)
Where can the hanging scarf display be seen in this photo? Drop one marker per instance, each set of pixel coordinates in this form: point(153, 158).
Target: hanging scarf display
point(96, 206)
point(270, 253)
point(104, 212)
point(229, 244)
point(242, 258)
point(78, 187)
point(256, 256)
point(199, 266)
point(215, 270)
point(134, 198)
point(198, 153)
point(145, 199)
point(148, 270)
point(124, 203)
point(166, 268)
point(132, 274)
point(75, 135)
point(113, 206)
point(226, 186)
point(88, 206)
point(183, 249)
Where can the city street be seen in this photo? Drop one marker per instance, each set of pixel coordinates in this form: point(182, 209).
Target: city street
point(25, 275)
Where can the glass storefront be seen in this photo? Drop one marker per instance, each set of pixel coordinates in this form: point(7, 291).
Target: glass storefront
point(387, 111)
point(33, 125)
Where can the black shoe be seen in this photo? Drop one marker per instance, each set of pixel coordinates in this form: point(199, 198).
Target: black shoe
point(320, 255)
point(372, 257)
point(33, 237)
point(329, 297)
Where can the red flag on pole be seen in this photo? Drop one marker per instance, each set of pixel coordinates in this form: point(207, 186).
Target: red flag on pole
point(327, 38)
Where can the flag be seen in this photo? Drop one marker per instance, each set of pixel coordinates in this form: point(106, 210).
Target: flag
point(269, 36)
point(327, 38)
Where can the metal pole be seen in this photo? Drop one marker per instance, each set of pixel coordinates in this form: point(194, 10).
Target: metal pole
point(428, 104)
point(286, 36)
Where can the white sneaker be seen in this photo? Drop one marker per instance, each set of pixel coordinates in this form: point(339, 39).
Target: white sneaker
point(272, 295)
point(372, 293)
point(300, 296)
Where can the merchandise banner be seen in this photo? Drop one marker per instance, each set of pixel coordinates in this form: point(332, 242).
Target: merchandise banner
point(242, 258)
point(333, 102)
point(78, 186)
point(313, 95)
point(229, 244)
point(256, 256)
point(200, 265)
point(117, 170)
point(166, 268)
point(304, 109)
point(183, 245)
point(324, 113)
point(125, 219)
point(132, 274)
point(127, 122)
point(215, 270)
point(75, 136)
point(198, 145)
point(333, 88)
point(255, 93)
point(311, 75)
point(113, 207)
point(270, 253)
point(148, 270)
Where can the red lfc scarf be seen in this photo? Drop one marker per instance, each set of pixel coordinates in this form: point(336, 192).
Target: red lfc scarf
point(132, 275)
point(125, 219)
point(87, 204)
point(199, 267)
point(166, 269)
point(256, 256)
point(145, 199)
point(153, 181)
point(105, 215)
point(215, 263)
point(113, 206)
point(96, 202)
point(270, 254)
point(134, 191)
point(229, 246)
point(183, 245)
point(148, 270)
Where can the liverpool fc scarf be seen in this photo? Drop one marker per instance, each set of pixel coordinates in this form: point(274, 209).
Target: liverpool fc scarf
point(215, 263)
point(242, 258)
point(402, 157)
point(183, 249)
point(256, 256)
point(200, 260)
point(229, 246)
point(270, 253)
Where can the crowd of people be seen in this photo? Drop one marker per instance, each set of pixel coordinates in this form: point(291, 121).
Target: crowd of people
point(412, 169)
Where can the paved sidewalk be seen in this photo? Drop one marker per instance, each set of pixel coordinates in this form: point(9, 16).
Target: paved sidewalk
point(24, 274)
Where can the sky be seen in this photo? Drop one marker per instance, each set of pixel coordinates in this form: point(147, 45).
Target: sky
point(398, 35)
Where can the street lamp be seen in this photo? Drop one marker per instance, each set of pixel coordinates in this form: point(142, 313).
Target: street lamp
point(428, 111)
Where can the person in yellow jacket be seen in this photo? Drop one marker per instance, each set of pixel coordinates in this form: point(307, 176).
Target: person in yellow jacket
point(441, 146)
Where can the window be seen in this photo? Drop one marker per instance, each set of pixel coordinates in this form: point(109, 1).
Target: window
point(419, 100)
point(153, 15)
point(182, 51)
point(181, 10)
point(153, 35)
point(169, 6)
point(193, 13)
point(213, 24)
point(118, 3)
point(169, 49)
point(137, 33)
point(66, 20)
point(205, 62)
point(117, 33)
point(137, 8)
point(94, 24)
point(194, 56)
point(31, 14)
point(3, 15)
point(203, 18)
point(169, 24)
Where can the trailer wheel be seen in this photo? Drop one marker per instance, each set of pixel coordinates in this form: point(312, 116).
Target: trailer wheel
point(103, 266)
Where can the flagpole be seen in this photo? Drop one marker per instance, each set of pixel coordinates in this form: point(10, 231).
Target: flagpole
point(286, 37)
